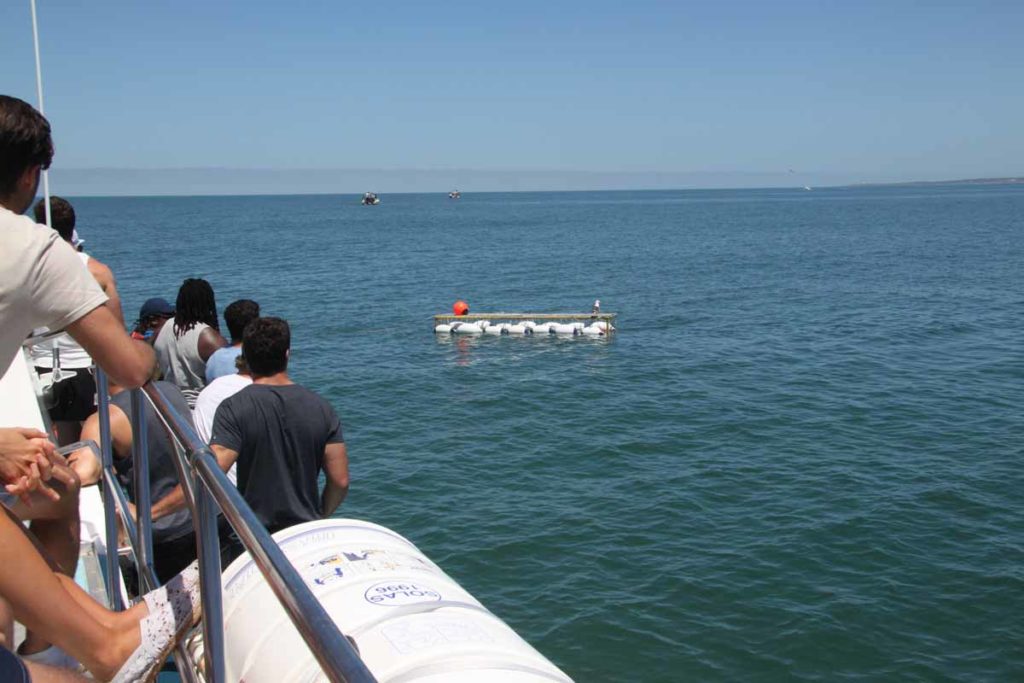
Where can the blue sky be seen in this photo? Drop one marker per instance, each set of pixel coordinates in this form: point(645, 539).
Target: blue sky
point(837, 91)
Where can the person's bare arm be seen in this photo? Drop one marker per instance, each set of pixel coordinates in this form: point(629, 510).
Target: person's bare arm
point(169, 504)
point(336, 473)
point(129, 362)
point(105, 278)
point(84, 462)
point(175, 500)
point(209, 341)
point(43, 673)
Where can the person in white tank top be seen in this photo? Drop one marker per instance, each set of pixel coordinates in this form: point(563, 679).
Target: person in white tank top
point(70, 392)
point(62, 218)
point(187, 341)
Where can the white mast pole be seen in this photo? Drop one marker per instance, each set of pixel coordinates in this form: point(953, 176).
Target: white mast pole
point(39, 92)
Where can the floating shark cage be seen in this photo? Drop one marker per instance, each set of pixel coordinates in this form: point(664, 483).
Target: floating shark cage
point(527, 324)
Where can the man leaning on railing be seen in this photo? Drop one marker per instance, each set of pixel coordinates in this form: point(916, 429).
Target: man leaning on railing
point(282, 435)
point(43, 283)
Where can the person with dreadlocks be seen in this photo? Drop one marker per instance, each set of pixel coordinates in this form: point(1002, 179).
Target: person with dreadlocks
point(182, 348)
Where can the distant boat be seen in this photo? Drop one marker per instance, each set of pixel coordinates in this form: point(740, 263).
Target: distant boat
point(454, 194)
point(807, 187)
point(370, 199)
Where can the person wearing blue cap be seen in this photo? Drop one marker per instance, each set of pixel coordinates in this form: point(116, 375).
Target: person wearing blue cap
point(152, 316)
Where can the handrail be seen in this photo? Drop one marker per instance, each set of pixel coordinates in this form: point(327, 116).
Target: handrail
point(49, 335)
point(107, 461)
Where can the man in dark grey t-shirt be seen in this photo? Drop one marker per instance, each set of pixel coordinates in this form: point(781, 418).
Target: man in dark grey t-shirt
point(282, 435)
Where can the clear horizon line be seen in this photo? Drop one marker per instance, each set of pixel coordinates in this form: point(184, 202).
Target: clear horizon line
point(228, 181)
point(433, 169)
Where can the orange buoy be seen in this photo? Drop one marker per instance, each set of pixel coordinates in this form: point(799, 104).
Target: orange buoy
point(460, 307)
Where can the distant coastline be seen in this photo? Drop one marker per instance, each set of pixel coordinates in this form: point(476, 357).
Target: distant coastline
point(106, 182)
point(963, 181)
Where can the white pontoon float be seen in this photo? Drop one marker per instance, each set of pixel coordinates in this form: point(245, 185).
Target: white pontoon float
point(526, 324)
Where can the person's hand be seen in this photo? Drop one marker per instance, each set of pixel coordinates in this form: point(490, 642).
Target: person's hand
point(122, 533)
point(46, 466)
point(20, 448)
point(24, 452)
point(86, 465)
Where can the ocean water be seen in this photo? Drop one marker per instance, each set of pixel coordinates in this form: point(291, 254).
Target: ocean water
point(800, 457)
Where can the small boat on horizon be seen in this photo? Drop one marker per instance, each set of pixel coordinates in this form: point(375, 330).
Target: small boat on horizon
point(370, 199)
point(454, 194)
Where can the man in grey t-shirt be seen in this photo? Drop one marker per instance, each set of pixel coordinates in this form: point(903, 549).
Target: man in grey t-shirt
point(282, 435)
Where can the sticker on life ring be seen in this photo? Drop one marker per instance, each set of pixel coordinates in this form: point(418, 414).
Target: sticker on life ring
point(389, 594)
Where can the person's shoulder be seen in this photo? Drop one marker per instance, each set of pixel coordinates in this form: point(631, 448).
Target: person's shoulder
point(293, 394)
point(243, 394)
point(223, 387)
point(225, 353)
point(302, 390)
point(169, 388)
point(16, 228)
point(22, 240)
point(165, 336)
point(230, 382)
point(99, 269)
point(314, 398)
point(210, 392)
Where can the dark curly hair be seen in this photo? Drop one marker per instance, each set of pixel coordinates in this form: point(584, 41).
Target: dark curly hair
point(195, 304)
point(24, 142)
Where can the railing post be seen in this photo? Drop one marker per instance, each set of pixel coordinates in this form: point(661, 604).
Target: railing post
point(113, 578)
point(143, 504)
point(208, 540)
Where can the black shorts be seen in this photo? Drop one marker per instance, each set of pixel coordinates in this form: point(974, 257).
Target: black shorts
point(12, 669)
point(74, 397)
point(169, 558)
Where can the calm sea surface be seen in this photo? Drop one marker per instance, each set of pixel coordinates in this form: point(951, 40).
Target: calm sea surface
point(801, 457)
